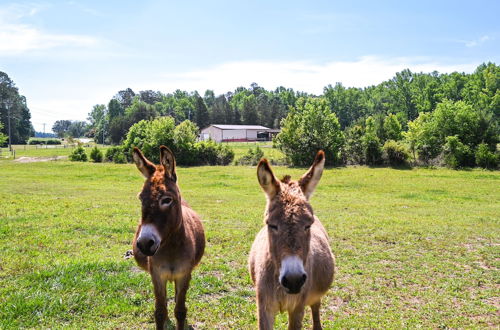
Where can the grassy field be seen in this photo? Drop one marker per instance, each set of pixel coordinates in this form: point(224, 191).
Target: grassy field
point(49, 151)
point(414, 248)
point(240, 149)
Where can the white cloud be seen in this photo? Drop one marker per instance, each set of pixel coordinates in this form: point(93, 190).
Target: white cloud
point(477, 42)
point(18, 38)
point(300, 75)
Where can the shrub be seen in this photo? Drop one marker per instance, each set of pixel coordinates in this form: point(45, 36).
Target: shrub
point(395, 153)
point(119, 158)
point(185, 135)
point(35, 141)
point(353, 152)
point(485, 158)
point(309, 127)
point(78, 155)
point(115, 152)
point(252, 157)
point(53, 141)
point(3, 137)
point(212, 153)
point(372, 150)
point(149, 135)
point(456, 154)
point(96, 155)
point(111, 151)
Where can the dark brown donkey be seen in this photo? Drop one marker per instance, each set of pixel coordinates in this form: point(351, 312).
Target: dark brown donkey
point(290, 263)
point(169, 241)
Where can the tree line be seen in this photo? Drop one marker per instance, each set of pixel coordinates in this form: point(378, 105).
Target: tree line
point(421, 115)
point(13, 106)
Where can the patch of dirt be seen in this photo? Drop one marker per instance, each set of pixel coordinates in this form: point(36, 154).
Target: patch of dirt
point(38, 159)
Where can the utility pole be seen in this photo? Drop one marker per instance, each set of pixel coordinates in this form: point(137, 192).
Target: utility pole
point(103, 129)
point(43, 129)
point(8, 117)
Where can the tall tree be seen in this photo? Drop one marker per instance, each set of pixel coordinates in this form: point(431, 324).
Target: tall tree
point(201, 115)
point(13, 106)
point(61, 127)
point(115, 109)
point(125, 97)
point(249, 111)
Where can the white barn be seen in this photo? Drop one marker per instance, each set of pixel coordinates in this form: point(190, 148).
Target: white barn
point(227, 133)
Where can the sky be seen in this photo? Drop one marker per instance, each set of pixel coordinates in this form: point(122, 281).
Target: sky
point(67, 56)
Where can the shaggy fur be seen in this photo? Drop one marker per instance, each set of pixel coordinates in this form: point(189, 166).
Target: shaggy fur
point(292, 230)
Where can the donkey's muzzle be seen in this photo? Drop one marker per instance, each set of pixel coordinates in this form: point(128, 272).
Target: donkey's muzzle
point(147, 246)
point(293, 282)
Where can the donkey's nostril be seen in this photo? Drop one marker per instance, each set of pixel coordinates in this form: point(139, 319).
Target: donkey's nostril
point(303, 280)
point(293, 282)
point(150, 244)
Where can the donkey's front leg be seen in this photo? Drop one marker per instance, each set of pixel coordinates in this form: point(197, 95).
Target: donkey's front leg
point(160, 299)
point(315, 316)
point(295, 318)
point(181, 287)
point(265, 313)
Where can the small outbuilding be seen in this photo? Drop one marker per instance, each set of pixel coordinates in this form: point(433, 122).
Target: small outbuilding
point(233, 133)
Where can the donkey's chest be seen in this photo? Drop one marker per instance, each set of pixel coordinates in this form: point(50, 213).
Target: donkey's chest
point(172, 269)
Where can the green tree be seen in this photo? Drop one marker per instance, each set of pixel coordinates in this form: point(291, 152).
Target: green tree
point(115, 109)
point(61, 127)
point(392, 128)
point(185, 135)
point(371, 143)
point(13, 106)
point(201, 115)
point(149, 135)
point(98, 122)
point(310, 126)
point(249, 110)
point(3, 137)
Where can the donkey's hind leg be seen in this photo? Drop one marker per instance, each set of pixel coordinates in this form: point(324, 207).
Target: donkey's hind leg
point(181, 287)
point(315, 316)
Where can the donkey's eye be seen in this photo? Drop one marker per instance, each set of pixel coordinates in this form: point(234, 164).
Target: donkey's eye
point(166, 201)
point(273, 227)
point(308, 227)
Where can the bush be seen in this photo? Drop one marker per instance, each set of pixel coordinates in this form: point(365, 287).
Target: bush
point(252, 157)
point(119, 158)
point(372, 150)
point(78, 155)
point(212, 153)
point(395, 153)
point(149, 135)
point(96, 155)
point(35, 141)
point(485, 158)
point(456, 154)
point(353, 152)
point(114, 152)
point(309, 127)
point(185, 135)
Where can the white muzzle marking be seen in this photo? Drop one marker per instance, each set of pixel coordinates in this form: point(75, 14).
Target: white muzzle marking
point(149, 230)
point(291, 265)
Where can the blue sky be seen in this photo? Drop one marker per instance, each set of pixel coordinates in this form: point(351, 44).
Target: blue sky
point(66, 56)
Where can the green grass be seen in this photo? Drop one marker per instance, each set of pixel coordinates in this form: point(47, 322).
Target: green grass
point(42, 151)
point(241, 148)
point(414, 248)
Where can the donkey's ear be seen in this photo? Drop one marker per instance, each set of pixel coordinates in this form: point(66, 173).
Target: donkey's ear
point(267, 180)
point(310, 179)
point(145, 166)
point(167, 159)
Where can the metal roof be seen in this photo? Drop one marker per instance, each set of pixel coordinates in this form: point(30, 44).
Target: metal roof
point(229, 127)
